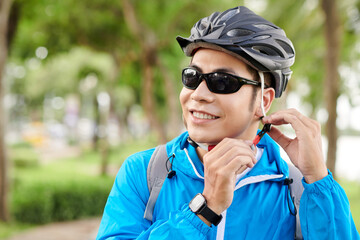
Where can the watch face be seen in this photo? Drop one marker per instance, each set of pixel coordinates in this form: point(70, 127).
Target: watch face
point(197, 202)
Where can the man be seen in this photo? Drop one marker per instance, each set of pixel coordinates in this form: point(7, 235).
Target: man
point(225, 187)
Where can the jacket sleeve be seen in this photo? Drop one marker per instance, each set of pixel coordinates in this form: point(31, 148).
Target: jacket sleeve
point(325, 211)
point(124, 210)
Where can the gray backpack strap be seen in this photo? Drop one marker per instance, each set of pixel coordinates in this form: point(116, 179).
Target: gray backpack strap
point(156, 174)
point(296, 190)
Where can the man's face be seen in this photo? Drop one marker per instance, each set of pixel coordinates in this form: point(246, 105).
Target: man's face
point(211, 117)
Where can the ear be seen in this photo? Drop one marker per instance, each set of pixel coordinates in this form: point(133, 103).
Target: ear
point(268, 98)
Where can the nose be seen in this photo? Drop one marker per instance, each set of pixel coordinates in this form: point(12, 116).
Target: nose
point(202, 93)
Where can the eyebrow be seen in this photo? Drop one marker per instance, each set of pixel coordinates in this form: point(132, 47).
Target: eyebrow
point(224, 70)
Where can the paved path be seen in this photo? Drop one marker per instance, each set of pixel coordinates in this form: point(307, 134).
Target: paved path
point(76, 230)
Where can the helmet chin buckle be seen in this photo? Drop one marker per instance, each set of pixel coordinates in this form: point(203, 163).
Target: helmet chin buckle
point(206, 147)
point(266, 128)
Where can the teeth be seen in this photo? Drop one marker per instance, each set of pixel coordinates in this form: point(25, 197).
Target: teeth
point(203, 116)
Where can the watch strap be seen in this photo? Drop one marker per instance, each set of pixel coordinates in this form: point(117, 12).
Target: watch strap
point(210, 215)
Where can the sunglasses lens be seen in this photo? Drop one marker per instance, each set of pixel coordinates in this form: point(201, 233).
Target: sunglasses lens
point(190, 78)
point(222, 83)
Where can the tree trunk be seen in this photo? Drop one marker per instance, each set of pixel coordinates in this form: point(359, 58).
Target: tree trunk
point(5, 6)
point(148, 96)
point(147, 40)
point(174, 123)
point(102, 134)
point(332, 39)
point(95, 137)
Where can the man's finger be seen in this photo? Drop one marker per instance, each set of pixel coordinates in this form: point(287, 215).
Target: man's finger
point(286, 118)
point(289, 116)
point(279, 137)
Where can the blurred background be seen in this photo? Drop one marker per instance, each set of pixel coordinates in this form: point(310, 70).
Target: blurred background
point(84, 84)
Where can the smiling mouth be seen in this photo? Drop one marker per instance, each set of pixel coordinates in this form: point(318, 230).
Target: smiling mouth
point(203, 115)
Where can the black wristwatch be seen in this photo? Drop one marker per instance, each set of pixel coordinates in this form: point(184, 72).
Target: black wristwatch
point(198, 205)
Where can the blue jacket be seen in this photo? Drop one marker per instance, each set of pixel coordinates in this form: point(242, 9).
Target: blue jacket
point(260, 209)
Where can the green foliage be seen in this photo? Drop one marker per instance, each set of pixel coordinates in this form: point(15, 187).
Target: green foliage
point(32, 205)
point(53, 201)
point(62, 75)
point(59, 25)
point(23, 157)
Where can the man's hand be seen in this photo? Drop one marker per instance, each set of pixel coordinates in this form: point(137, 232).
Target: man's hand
point(305, 150)
point(221, 165)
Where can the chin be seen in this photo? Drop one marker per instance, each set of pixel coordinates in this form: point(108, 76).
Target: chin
point(208, 138)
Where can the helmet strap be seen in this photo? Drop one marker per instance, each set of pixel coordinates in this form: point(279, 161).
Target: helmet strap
point(261, 74)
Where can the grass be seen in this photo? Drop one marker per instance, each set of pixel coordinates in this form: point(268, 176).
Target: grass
point(9, 229)
point(352, 190)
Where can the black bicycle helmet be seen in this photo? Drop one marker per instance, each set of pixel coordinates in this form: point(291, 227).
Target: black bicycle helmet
point(247, 36)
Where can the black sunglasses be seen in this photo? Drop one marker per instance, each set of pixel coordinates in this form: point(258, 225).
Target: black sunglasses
point(217, 82)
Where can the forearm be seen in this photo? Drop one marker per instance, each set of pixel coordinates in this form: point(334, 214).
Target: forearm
point(325, 211)
point(182, 224)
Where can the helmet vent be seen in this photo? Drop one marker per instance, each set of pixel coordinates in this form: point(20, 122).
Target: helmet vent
point(239, 32)
point(228, 15)
point(203, 25)
point(264, 26)
point(288, 49)
point(265, 50)
point(261, 37)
